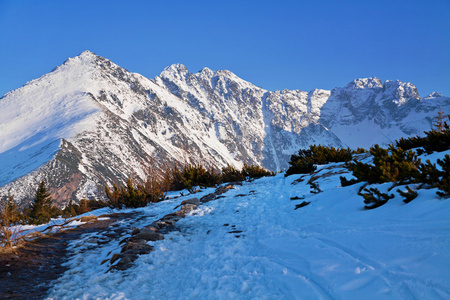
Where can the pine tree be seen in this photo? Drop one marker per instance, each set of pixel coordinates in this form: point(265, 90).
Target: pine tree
point(113, 196)
point(12, 210)
point(40, 210)
point(439, 121)
point(69, 210)
point(84, 206)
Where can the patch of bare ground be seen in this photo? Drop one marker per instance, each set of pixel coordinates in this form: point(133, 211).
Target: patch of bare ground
point(27, 272)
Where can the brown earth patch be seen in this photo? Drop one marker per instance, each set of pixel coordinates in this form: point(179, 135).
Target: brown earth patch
point(27, 272)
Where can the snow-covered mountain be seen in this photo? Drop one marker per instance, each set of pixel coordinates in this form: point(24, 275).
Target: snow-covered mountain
point(91, 122)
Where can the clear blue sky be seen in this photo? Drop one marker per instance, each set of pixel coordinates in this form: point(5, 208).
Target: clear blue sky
point(273, 44)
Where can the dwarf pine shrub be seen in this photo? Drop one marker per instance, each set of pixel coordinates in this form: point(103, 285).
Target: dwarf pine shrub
point(437, 141)
point(409, 195)
point(135, 196)
point(389, 165)
point(444, 183)
point(304, 162)
point(315, 188)
point(197, 175)
point(346, 182)
point(373, 198)
point(255, 171)
point(231, 174)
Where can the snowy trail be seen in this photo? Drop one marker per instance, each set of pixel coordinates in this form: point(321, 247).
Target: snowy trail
point(252, 244)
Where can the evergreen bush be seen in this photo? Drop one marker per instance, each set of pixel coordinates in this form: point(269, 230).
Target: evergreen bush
point(444, 183)
point(315, 188)
point(254, 171)
point(9, 216)
point(437, 141)
point(346, 182)
point(139, 196)
point(197, 175)
point(411, 142)
point(428, 174)
point(393, 165)
point(231, 174)
point(359, 150)
point(304, 162)
point(409, 195)
point(373, 198)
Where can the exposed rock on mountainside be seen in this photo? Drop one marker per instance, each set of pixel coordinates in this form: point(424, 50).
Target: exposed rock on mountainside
point(91, 122)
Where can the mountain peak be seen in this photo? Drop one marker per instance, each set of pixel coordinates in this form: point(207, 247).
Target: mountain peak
point(434, 95)
point(401, 90)
point(84, 58)
point(178, 68)
point(174, 71)
point(87, 53)
point(206, 71)
point(365, 83)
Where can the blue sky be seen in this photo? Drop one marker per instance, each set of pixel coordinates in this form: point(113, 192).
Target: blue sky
point(273, 44)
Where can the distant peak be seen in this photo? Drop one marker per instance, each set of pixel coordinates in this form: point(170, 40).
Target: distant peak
point(227, 73)
point(365, 83)
point(177, 68)
point(174, 71)
point(401, 90)
point(206, 70)
point(84, 58)
point(86, 53)
point(434, 95)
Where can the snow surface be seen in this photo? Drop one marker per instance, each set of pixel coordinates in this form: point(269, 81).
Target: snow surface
point(34, 118)
point(329, 249)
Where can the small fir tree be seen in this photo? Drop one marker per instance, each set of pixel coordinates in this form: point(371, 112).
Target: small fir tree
point(40, 210)
point(439, 121)
point(70, 210)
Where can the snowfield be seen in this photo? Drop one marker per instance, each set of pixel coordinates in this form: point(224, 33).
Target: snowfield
point(254, 244)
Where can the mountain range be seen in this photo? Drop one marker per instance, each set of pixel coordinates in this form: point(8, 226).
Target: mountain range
point(90, 122)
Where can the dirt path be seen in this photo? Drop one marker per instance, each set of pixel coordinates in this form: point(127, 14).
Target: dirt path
point(28, 273)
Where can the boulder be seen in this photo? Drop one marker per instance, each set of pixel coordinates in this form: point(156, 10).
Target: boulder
point(147, 235)
point(189, 201)
point(208, 198)
point(136, 248)
point(185, 209)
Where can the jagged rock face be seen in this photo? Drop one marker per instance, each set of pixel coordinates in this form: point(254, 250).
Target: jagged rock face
point(90, 122)
point(256, 125)
point(368, 112)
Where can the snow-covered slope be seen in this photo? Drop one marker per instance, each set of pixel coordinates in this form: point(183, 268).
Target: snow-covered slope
point(253, 244)
point(91, 122)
